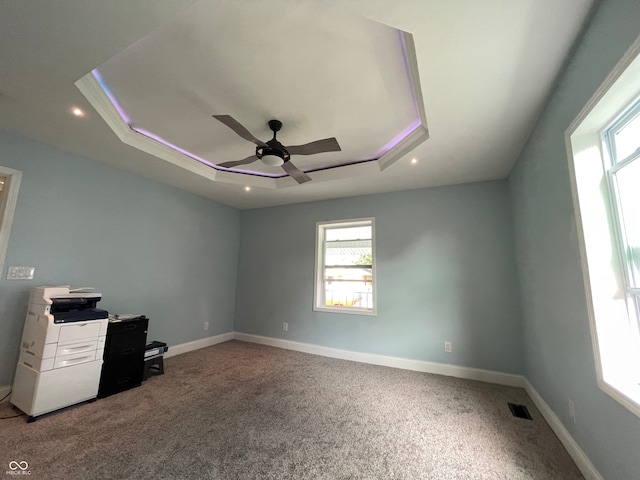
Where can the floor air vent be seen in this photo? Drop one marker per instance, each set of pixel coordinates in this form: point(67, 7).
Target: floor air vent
point(520, 411)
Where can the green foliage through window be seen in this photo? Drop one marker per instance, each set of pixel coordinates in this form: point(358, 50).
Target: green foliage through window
point(365, 259)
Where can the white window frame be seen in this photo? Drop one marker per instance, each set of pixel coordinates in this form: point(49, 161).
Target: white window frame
point(319, 290)
point(613, 164)
point(612, 319)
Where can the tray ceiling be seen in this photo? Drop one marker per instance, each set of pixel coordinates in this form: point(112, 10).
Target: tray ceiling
point(483, 71)
point(166, 86)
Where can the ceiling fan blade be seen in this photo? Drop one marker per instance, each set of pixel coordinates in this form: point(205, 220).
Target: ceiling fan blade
point(234, 125)
point(297, 174)
point(319, 146)
point(235, 163)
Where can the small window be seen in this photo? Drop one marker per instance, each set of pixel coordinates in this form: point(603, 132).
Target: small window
point(345, 267)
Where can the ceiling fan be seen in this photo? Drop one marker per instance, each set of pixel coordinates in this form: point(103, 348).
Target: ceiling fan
point(273, 153)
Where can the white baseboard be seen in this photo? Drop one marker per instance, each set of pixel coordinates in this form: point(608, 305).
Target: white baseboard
point(582, 461)
point(197, 344)
point(388, 361)
point(4, 391)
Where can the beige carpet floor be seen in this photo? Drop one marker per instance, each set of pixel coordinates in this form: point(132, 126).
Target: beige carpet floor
point(244, 411)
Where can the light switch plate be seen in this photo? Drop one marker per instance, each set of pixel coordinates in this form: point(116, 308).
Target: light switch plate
point(20, 273)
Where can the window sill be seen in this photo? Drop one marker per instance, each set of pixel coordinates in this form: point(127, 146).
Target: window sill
point(347, 310)
point(627, 394)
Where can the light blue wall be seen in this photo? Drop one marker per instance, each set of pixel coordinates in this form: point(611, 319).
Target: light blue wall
point(148, 248)
point(558, 353)
point(445, 271)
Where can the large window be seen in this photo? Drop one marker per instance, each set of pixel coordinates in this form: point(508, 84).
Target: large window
point(604, 163)
point(622, 140)
point(345, 267)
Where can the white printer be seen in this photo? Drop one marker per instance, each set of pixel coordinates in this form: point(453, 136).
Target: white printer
point(61, 350)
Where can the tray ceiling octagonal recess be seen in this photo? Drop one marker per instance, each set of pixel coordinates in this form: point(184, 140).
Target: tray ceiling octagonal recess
point(321, 75)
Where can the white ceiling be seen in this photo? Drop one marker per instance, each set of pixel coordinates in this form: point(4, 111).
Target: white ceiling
point(324, 68)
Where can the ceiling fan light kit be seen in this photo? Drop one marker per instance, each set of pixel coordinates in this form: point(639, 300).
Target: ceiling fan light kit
point(271, 159)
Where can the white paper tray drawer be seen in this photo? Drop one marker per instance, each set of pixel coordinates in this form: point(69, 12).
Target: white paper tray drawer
point(75, 359)
point(73, 348)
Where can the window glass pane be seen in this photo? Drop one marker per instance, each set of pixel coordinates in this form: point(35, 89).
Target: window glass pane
point(348, 267)
point(627, 139)
point(628, 182)
point(349, 252)
point(348, 287)
point(348, 233)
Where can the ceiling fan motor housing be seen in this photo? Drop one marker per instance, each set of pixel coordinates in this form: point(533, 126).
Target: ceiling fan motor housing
point(263, 153)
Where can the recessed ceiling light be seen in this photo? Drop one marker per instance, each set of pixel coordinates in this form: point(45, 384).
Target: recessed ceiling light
point(248, 189)
point(77, 112)
point(414, 161)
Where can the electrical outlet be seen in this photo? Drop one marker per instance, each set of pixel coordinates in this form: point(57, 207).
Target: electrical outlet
point(285, 326)
point(206, 325)
point(572, 411)
point(447, 347)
